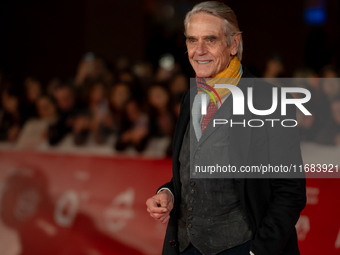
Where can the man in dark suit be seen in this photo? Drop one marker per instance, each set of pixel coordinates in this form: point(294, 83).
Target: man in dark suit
point(237, 215)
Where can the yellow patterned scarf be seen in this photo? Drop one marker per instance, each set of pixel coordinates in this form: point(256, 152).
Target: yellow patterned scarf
point(231, 75)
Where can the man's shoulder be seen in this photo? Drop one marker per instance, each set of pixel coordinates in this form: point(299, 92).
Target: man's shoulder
point(259, 84)
point(263, 91)
point(261, 88)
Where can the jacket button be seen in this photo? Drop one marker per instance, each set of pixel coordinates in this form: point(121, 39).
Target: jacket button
point(192, 183)
point(192, 191)
point(190, 209)
point(189, 225)
point(197, 157)
point(191, 200)
point(190, 217)
point(173, 243)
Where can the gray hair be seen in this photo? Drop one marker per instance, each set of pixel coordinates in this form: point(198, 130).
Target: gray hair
point(226, 14)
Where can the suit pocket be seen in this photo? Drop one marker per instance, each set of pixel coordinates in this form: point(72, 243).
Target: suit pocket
point(220, 144)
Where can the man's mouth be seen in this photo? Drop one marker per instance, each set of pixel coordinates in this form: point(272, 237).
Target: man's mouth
point(203, 62)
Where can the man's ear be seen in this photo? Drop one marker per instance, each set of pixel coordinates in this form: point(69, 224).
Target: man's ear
point(236, 42)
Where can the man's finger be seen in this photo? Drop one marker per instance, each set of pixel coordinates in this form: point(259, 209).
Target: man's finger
point(164, 199)
point(166, 219)
point(153, 216)
point(157, 209)
point(160, 215)
point(163, 217)
point(170, 206)
point(164, 203)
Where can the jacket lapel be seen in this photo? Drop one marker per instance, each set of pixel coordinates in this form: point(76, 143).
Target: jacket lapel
point(224, 112)
point(239, 136)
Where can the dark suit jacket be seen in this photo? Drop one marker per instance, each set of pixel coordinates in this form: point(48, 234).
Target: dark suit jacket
point(272, 205)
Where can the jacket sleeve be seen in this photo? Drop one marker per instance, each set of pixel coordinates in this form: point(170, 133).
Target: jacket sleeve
point(288, 194)
point(170, 184)
point(167, 186)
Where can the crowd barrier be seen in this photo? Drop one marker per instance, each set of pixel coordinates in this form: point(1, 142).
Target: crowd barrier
point(67, 204)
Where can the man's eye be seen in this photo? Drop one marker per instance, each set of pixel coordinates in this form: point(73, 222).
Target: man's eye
point(211, 40)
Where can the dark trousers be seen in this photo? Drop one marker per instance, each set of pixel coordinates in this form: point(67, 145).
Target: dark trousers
point(242, 249)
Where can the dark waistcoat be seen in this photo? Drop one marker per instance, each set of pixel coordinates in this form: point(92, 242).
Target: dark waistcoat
point(211, 216)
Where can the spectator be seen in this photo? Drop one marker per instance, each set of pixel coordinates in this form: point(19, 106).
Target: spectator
point(178, 85)
point(135, 128)
point(118, 97)
point(329, 71)
point(132, 81)
point(66, 106)
point(143, 71)
point(52, 86)
point(319, 105)
point(308, 127)
point(160, 111)
point(177, 106)
point(92, 67)
point(98, 107)
point(46, 109)
point(330, 134)
point(274, 67)
point(33, 90)
point(81, 126)
point(10, 118)
point(330, 84)
point(34, 132)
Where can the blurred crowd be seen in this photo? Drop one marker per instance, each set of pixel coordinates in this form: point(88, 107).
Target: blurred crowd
point(136, 102)
point(323, 126)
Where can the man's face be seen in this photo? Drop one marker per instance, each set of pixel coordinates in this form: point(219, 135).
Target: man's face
point(207, 48)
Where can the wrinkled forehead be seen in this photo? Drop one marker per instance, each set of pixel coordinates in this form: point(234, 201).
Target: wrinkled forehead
point(203, 24)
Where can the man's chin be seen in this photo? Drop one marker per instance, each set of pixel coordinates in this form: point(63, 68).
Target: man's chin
point(203, 74)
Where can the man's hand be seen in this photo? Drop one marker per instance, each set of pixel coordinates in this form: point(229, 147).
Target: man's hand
point(159, 206)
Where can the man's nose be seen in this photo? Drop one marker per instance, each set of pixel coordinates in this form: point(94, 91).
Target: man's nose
point(201, 48)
